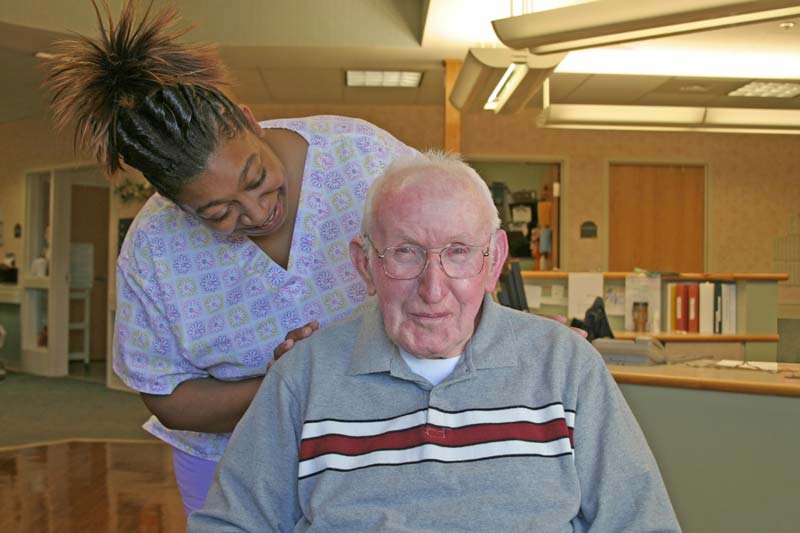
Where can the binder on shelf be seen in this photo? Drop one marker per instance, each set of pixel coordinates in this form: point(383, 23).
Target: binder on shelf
point(706, 315)
point(669, 311)
point(681, 307)
point(729, 308)
point(693, 308)
point(717, 307)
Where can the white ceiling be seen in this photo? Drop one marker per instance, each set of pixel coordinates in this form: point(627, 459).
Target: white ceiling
point(296, 51)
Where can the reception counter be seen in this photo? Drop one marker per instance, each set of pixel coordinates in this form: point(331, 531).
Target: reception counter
point(726, 441)
point(706, 374)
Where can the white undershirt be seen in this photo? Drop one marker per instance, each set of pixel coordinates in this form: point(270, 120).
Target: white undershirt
point(434, 370)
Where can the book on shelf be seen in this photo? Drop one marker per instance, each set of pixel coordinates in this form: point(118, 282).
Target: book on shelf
point(728, 308)
point(693, 308)
point(706, 315)
point(717, 307)
point(681, 307)
point(669, 306)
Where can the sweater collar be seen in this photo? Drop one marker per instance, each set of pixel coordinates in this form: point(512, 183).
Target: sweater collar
point(490, 346)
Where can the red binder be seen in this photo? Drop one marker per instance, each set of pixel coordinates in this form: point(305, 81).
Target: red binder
point(693, 308)
point(681, 307)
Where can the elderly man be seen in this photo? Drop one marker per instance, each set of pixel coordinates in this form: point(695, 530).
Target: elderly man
point(435, 409)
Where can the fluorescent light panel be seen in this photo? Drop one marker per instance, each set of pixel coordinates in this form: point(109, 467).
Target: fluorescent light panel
point(767, 90)
point(672, 118)
point(609, 22)
point(651, 60)
point(500, 79)
point(383, 78)
point(511, 79)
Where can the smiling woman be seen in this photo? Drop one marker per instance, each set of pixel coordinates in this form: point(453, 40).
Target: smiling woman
point(242, 251)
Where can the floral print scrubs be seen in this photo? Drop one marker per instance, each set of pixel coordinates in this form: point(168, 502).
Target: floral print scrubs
point(192, 303)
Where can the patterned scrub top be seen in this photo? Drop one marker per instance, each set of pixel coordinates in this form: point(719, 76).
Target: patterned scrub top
point(192, 303)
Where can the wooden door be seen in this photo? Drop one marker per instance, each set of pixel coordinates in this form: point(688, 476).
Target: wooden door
point(656, 218)
point(90, 205)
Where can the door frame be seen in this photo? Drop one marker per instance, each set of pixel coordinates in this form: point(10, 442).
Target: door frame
point(53, 360)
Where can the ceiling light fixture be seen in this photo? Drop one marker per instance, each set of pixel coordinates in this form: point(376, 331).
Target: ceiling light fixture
point(662, 60)
point(609, 22)
point(43, 55)
point(671, 118)
point(764, 89)
point(511, 79)
point(500, 80)
point(383, 78)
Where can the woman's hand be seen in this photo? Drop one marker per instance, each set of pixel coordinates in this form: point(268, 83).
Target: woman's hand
point(563, 320)
point(292, 337)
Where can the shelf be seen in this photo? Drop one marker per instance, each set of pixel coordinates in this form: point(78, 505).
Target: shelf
point(10, 293)
point(558, 275)
point(695, 337)
point(35, 349)
point(36, 282)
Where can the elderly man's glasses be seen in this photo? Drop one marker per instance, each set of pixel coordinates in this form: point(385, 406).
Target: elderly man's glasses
point(409, 261)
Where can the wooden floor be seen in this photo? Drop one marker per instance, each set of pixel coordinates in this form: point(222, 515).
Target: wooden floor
point(89, 487)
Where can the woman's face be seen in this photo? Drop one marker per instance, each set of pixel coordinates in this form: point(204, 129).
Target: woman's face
point(242, 190)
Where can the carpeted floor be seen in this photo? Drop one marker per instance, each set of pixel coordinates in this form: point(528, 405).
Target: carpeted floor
point(35, 409)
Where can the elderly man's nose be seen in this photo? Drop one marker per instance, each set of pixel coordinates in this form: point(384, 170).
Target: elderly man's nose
point(432, 281)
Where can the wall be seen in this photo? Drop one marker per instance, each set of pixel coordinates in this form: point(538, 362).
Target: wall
point(26, 145)
point(418, 126)
point(753, 185)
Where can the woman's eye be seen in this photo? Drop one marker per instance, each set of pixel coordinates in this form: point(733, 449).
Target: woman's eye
point(256, 184)
point(218, 218)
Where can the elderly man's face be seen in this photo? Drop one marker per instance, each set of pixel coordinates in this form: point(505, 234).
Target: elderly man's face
point(432, 315)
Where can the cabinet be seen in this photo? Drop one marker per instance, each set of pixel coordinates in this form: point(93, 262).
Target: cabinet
point(756, 335)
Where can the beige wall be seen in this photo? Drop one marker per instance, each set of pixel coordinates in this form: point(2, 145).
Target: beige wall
point(26, 145)
point(753, 180)
point(418, 126)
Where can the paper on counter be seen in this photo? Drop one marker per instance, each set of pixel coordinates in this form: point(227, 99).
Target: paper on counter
point(533, 293)
point(582, 289)
point(752, 365)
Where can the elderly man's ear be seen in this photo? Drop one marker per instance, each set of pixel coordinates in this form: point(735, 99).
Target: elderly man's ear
point(497, 258)
point(359, 253)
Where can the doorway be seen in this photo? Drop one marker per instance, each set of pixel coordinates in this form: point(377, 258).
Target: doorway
point(89, 283)
point(55, 269)
point(527, 197)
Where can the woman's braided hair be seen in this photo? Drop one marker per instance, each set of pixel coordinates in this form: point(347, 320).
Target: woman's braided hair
point(139, 98)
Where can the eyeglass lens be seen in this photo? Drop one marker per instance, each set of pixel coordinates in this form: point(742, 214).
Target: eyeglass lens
point(457, 260)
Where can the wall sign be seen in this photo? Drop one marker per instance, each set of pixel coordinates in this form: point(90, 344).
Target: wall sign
point(588, 230)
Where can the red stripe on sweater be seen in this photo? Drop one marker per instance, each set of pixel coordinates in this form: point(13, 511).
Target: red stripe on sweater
point(416, 436)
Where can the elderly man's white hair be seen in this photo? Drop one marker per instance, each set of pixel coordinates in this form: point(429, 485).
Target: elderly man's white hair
point(408, 170)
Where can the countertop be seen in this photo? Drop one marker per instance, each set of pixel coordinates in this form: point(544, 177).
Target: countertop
point(705, 375)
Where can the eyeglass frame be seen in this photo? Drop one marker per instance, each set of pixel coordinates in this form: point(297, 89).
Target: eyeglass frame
point(381, 255)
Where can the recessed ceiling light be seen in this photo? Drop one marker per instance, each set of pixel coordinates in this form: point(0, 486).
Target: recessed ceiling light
point(43, 55)
point(695, 88)
point(383, 78)
point(768, 90)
